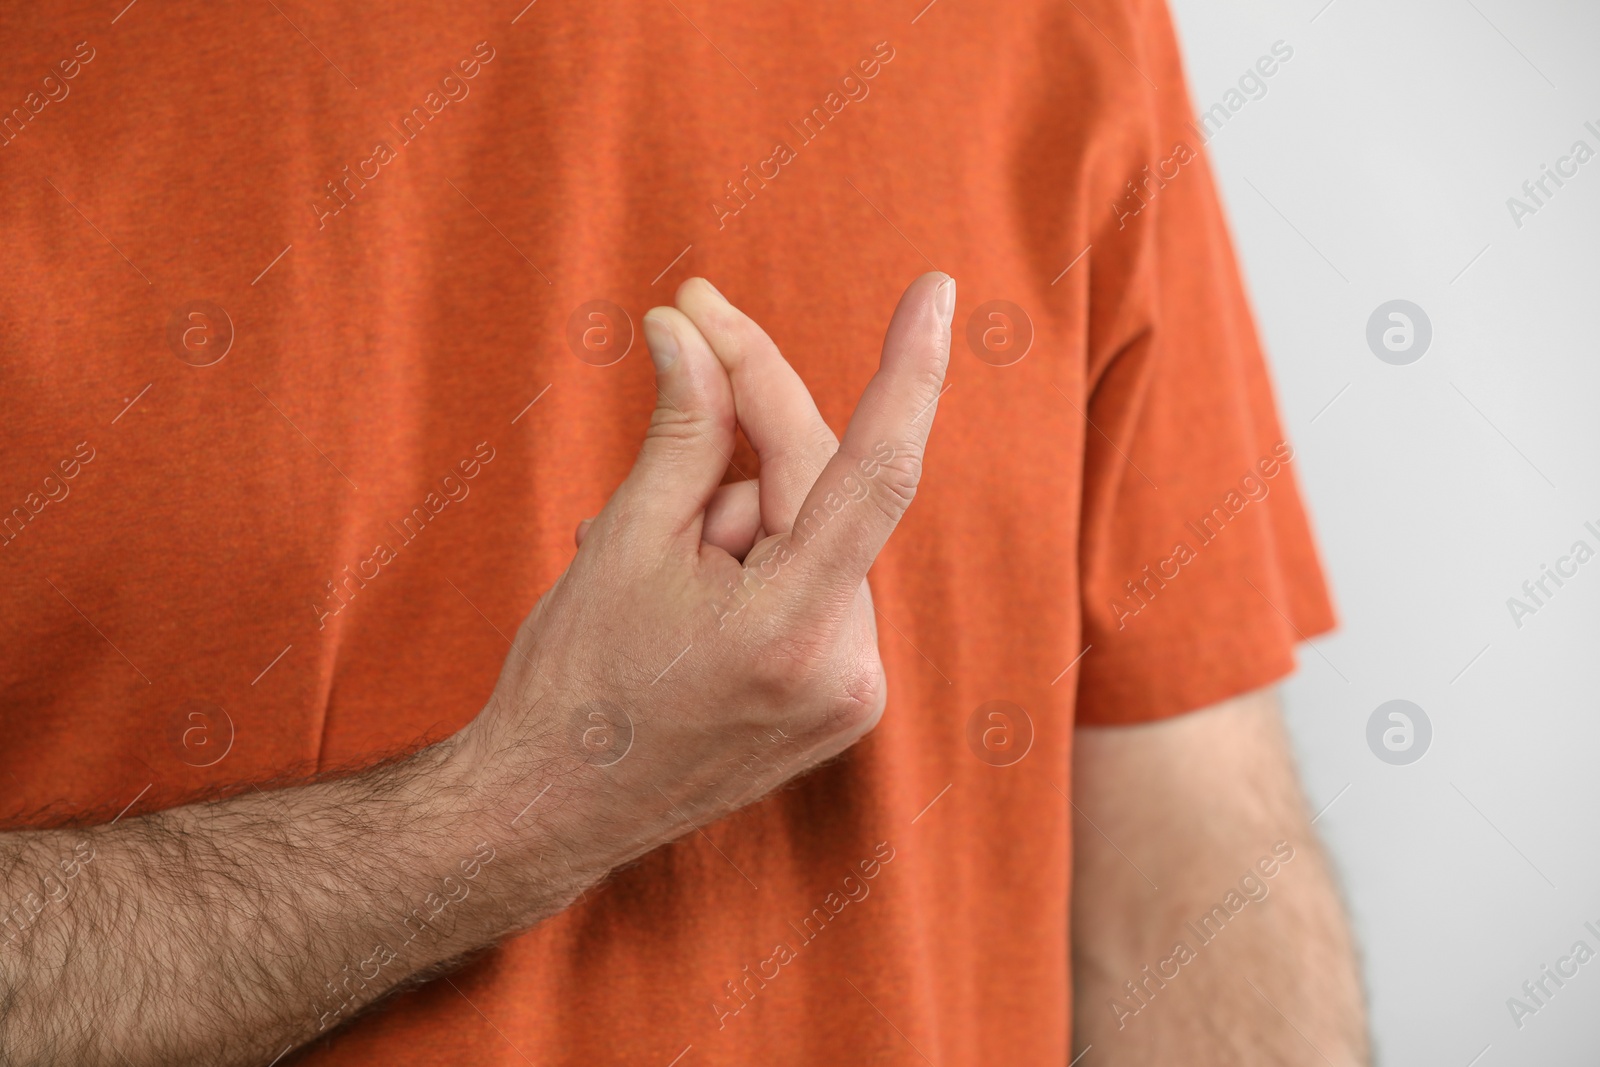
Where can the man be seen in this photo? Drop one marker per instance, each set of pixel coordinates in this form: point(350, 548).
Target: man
point(318, 350)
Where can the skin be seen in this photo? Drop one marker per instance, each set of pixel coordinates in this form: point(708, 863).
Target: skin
point(626, 714)
point(1194, 804)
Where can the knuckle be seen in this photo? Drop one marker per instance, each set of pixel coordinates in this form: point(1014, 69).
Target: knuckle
point(820, 445)
point(790, 669)
point(839, 692)
point(895, 485)
point(859, 708)
point(671, 425)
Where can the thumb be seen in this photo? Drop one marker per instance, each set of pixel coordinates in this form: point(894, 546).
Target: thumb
point(686, 450)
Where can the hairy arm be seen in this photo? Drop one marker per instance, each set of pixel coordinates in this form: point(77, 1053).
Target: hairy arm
point(1206, 926)
point(228, 932)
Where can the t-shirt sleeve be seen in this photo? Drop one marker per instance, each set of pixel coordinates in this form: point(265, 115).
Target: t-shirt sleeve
point(1199, 573)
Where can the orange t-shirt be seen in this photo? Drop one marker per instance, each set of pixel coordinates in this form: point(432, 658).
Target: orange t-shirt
point(321, 334)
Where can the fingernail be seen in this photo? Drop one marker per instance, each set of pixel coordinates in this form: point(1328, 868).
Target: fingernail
point(944, 299)
point(715, 291)
point(661, 341)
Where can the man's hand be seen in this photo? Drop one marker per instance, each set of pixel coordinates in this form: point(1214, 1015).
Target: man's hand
point(1206, 927)
point(665, 682)
point(705, 645)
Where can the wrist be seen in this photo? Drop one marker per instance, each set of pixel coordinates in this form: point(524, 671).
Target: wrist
point(528, 797)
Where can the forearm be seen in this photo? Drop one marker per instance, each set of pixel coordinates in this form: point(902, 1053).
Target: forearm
point(1223, 966)
point(1242, 956)
point(227, 932)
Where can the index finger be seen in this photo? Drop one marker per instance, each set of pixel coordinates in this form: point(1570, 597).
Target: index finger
point(866, 487)
point(772, 404)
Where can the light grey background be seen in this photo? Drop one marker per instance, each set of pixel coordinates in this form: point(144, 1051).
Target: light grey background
point(1377, 167)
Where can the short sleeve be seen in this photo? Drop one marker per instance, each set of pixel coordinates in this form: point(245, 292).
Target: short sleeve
point(1199, 572)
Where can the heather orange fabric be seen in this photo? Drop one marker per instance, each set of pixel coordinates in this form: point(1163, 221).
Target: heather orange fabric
point(391, 225)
